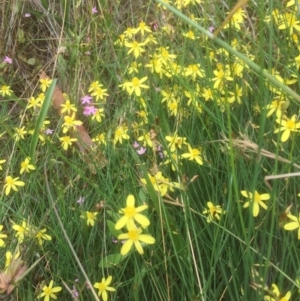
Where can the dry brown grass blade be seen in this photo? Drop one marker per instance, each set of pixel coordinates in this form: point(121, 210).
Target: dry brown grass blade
point(247, 145)
point(281, 176)
point(238, 5)
point(91, 155)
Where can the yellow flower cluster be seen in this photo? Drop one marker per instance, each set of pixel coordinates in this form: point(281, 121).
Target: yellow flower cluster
point(134, 236)
point(25, 230)
point(160, 183)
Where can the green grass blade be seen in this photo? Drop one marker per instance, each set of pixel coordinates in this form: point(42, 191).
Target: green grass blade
point(41, 119)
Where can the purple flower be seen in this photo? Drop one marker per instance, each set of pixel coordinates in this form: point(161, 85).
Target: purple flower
point(48, 132)
point(86, 99)
point(135, 144)
point(74, 291)
point(141, 151)
point(7, 60)
point(80, 200)
point(89, 110)
point(94, 10)
point(27, 15)
point(211, 29)
point(161, 155)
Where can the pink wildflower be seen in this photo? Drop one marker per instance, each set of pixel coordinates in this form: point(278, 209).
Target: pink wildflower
point(86, 99)
point(135, 144)
point(89, 110)
point(141, 151)
point(48, 131)
point(7, 60)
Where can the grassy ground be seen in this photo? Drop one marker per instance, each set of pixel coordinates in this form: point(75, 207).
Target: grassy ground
point(127, 127)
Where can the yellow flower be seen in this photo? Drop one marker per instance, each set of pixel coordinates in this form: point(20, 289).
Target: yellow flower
point(213, 211)
point(190, 35)
point(129, 32)
point(236, 19)
point(68, 107)
point(173, 159)
point(66, 141)
point(134, 68)
point(277, 17)
point(100, 139)
point(165, 56)
point(9, 257)
point(19, 133)
point(41, 98)
point(173, 69)
point(135, 47)
point(2, 243)
point(94, 86)
point(193, 95)
point(144, 116)
point(12, 183)
point(5, 90)
point(34, 103)
point(155, 65)
point(194, 71)
point(131, 214)
point(142, 28)
point(121, 133)
point(146, 139)
point(25, 166)
point(277, 106)
point(165, 1)
point(49, 291)
point(236, 95)
point(175, 142)
point(207, 94)
point(192, 2)
point(135, 86)
point(103, 287)
point(70, 122)
point(221, 76)
point(90, 217)
point(1, 162)
point(287, 126)
point(276, 294)
point(256, 200)
point(134, 237)
point(98, 115)
point(193, 154)
point(41, 236)
point(21, 230)
point(290, 21)
point(297, 61)
point(173, 107)
point(45, 83)
point(99, 93)
point(295, 224)
point(160, 183)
